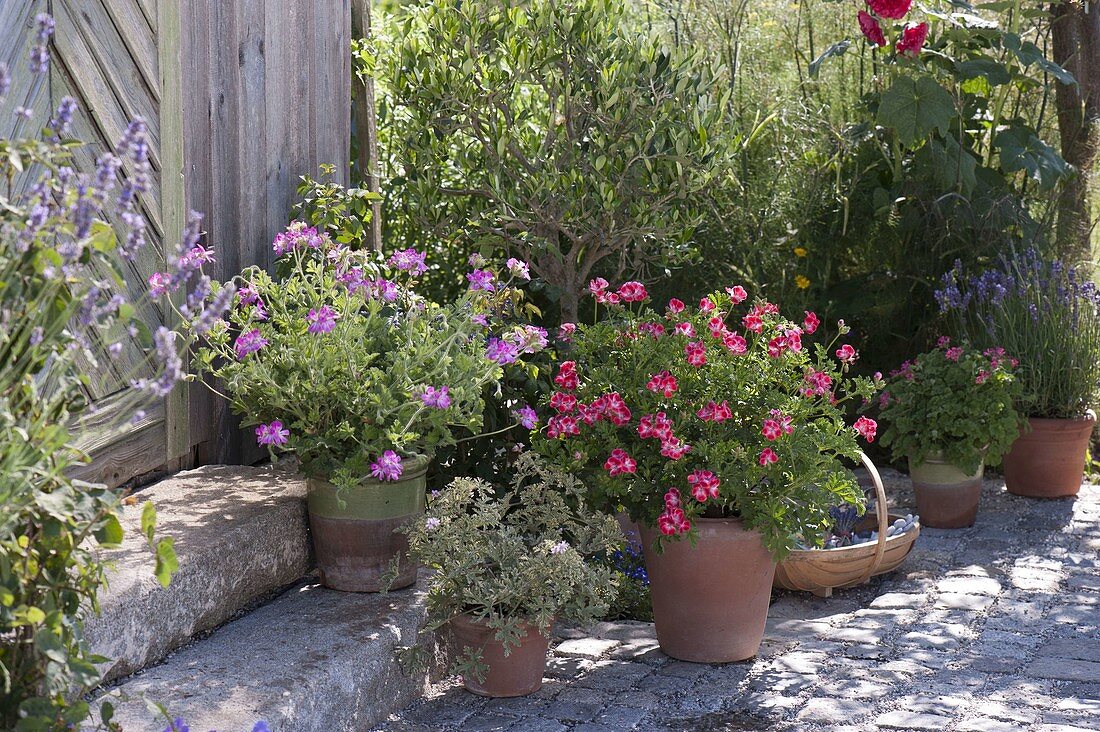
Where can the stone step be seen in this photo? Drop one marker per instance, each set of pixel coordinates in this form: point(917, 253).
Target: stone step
point(312, 660)
point(241, 534)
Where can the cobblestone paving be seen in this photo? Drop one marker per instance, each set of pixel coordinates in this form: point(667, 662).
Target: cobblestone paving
point(991, 628)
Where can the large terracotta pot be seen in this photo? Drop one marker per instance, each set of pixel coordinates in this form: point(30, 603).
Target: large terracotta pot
point(710, 601)
point(355, 532)
point(947, 498)
point(518, 673)
point(1049, 460)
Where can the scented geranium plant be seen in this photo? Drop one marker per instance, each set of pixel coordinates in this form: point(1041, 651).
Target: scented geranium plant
point(954, 403)
point(517, 559)
point(715, 410)
point(340, 361)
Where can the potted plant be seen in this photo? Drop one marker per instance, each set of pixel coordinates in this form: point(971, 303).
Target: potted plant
point(506, 567)
point(1046, 314)
point(720, 433)
point(338, 360)
point(950, 412)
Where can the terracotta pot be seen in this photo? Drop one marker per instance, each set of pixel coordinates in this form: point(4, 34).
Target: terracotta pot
point(1049, 460)
point(355, 533)
point(518, 673)
point(947, 498)
point(710, 601)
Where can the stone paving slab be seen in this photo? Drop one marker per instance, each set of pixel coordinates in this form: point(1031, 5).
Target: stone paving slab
point(991, 628)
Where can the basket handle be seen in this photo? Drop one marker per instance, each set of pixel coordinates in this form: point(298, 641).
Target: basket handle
point(883, 518)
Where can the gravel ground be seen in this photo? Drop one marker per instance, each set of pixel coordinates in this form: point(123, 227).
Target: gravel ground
point(995, 627)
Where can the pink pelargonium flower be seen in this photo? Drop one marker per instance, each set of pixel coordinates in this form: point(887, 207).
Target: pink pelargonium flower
point(614, 408)
point(753, 322)
point(866, 427)
point(696, 353)
point(776, 346)
point(675, 305)
point(597, 286)
point(870, 29)
point(249, 342)
point(685, 329)
point(562, 426)
point(704, 485)
point(408, 260)
point(847, 354)
point(272, 434)
point(481, 279)
point(674, 448)
point(566, 331)
point(633, 292)
point(713, 412)
point(619, 462)
point(892, 9)
point(809, 325)
point(387, 467)
point(706, 305)
point(518, 268)
point(501, 351)
point(672, 498)
point(567, 375)
point(657, 426)
point(322, 320)
point(912, 39)
point(785, 421)
point(563, 403)
point(737, 294)
point(663, 383)
point(735, 343)
point(943, 342)
point(771, 430)
point(953, 353)
point(436, 398)
point(818, 383)
point(794, 340)
point(767, 456)
point(717, 326)
point(527, 417)
point(673, 521)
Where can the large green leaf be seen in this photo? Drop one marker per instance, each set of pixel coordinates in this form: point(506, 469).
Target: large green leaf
point(1020, 149)
point(916, 108)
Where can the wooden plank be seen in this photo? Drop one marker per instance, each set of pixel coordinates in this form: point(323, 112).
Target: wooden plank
point(169, 35)
point(140, 40)
point(125, 452)
point(150, 8)
point(17, 36)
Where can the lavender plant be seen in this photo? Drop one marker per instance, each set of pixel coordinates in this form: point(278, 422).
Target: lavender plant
point(1044, 313)
point(63, 320)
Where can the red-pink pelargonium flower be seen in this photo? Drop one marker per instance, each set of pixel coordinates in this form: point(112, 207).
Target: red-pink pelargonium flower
point(654, 329)
point(912, 39)
point(562, 426)
point(704, 485)
point(953, 353)
point(870, 29)
point(811, 322)
point(663, 383)
point(784, 421)
point(753, 322)
point(566, 331)
point(982, 377)
point(672, 498)
point(771, 430)
point(866, 427)
point(686, 329)
point(892, 9)
point(563, 403)
point(696, 352)
point(706, 305)
point(589, 413)
point(735, 343)
point(655, 426)
point(674, 448)
point(598, 285)
point(676, 305)
point(713, 412)
point(633, 292)
point(717, 326)
point(943, 342)
point(794, 340)
point(767, 456)
point(818, 383)
point(619, 462)
point(567, 375)
point(776, 346)
point(615, 409)
point(673, 522)
point(737, 294)
point(846, 353)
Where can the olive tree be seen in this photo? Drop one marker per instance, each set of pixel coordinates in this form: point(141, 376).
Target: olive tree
point(566, 135)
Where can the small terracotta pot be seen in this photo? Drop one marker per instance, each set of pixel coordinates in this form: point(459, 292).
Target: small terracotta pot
point(710, 601)
point(355, 533)
point(518, 673)
point(1049, 460)
point(947, 498)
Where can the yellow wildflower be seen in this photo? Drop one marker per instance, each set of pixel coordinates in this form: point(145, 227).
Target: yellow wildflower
point(802, 281)
point(801, 251)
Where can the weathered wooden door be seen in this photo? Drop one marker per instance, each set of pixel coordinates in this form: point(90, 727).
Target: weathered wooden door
point(241, 97)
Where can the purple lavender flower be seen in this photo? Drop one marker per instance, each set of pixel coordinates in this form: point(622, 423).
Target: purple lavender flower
point(249, 342)
point(40, 54)
point(61, 123)
point(500, 351)
point(172, 366)
point(272, 435)
point(518, 268)
point(527, 417)
point(387, 467)
point(409, 260)
point(436, 398)
point(177, 725)
point(481, 319)
point(23, 112)
point(321, 320)
point(158, 284)
point(213, 311)
point(481, 279)
point(5, 80)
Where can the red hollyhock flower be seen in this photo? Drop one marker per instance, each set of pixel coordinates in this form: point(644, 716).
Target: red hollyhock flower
point(871, 30)
point(912, 39)
point(866, 428)
point(892, 9)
